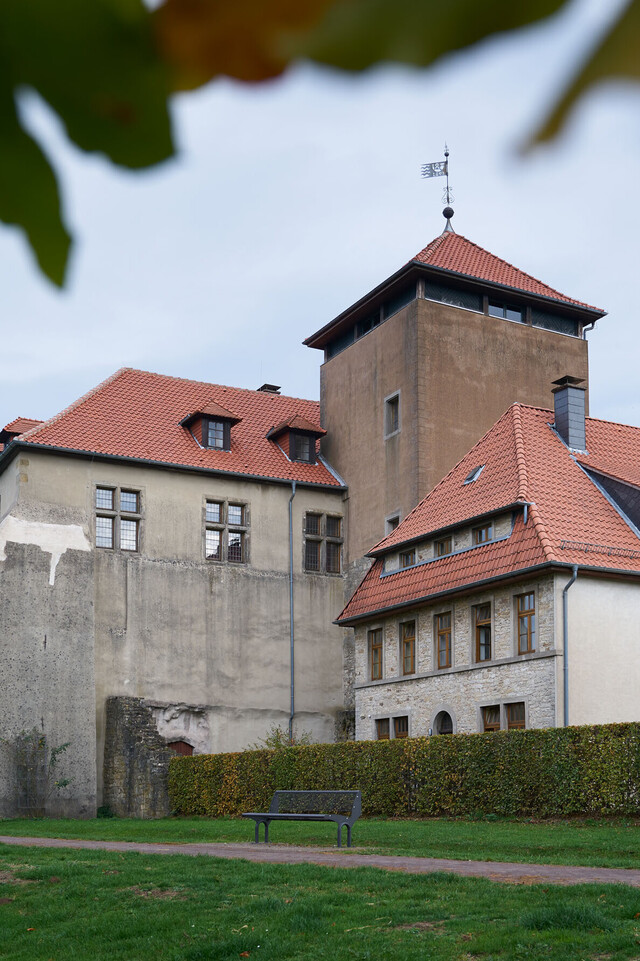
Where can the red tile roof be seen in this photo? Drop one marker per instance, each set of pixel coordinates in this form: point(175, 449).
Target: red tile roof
point(569, 520)
point(21, 425)
point(296, 422)
point(453, 252)
point(136, 414)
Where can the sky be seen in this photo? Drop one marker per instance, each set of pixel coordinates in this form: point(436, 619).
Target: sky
point(288, 201)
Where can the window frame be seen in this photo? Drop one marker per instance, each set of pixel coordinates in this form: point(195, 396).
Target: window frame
point(528, 616)
point(295, 438)
point(227, 529)
point(440, 548)
point(518, 724)
point(439, 632)
point(376, 634)
point(408, 642)
point(477, 537)
point(327, 547)
point(118, 516)
point(407, 558)
point(400, 726)
point(490, 727)
point(392, 415)
point(380, 723)
point(480, 625)
point(226, 433)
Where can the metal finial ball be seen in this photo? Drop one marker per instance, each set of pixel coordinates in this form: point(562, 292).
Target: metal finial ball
point(448, 212)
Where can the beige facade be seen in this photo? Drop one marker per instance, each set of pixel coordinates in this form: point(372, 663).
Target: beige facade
point(205, 642)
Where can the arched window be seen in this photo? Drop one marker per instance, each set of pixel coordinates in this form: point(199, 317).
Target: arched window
point(181, 747)
point(443, 723)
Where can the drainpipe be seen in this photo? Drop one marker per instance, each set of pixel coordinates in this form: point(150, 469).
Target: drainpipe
point(291, 712)
point(565, 641)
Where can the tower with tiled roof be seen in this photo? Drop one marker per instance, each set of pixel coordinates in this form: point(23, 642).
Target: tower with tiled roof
point(421, 366)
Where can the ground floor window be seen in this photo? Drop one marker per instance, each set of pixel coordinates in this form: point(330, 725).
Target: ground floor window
point(496, 717)
point(382, 729)
point(443, 723)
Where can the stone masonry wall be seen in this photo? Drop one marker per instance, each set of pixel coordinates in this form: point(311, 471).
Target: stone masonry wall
point(136, 760)
point(466, 687)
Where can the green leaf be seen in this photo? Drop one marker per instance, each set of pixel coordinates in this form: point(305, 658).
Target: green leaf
point(95, 63)
point(617, 57)
point(29, 194)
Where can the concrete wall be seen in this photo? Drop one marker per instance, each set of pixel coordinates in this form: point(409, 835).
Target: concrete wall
point(457, 371)
point(465, 687)
point(47, 681)
point(175, 628)
point(604, 650)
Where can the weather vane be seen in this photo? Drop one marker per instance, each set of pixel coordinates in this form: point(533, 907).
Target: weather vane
point(441, 169)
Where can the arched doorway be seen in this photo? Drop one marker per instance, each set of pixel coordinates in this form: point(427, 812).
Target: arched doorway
point(443, 723)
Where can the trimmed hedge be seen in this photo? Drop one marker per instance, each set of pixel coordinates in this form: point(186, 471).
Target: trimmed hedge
point(544, 773)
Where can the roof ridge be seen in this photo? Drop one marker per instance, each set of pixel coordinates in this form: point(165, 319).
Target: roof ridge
point(521, 458)
point(205, 383)
point(75, 404)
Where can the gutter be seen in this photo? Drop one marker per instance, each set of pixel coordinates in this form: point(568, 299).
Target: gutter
point(291, 632)
point(565, 641)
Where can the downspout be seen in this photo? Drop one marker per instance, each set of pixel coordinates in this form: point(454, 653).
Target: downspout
point(291, 711)
point(565, 641)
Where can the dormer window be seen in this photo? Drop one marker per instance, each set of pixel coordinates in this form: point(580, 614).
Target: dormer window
point(211, 426)
point(302, 447)
point(218, 434)
point(296, 437)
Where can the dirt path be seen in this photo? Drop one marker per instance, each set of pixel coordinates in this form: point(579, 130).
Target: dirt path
point(332, 857)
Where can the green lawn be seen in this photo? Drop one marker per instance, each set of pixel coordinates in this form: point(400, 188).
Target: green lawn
point(601, 843)
point(57, 905)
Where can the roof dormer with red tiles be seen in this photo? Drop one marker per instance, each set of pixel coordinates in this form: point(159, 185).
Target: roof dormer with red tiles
point(297, 438)
point(211, 426)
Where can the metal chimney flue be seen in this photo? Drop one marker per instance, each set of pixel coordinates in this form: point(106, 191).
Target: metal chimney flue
point(569, 409)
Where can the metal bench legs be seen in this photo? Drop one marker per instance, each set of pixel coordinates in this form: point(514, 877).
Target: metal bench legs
point(266, 831)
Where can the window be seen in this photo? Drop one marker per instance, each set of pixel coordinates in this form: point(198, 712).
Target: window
point(322, 543)
point(118, 518)
point(443, 635)
point(382, 729)
point(515, 716)
point(508, 311)
point(482, 617)
point(375, 654)
point(407, 558)
point(302, 447)
point(225, 531)
point(401, 726)
point(392, 415)
point(408, 647)
point(390, 523)
point(216, 434)
point(474, 474)
point(481, 535)
point(491, 718)
point(526, 608)
point(443, 546)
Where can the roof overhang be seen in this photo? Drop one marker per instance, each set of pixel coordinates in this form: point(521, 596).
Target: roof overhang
point(10, 452)
point(319, 340)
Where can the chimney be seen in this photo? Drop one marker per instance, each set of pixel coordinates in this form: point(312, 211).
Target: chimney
point(269, 389)
point(568, 406)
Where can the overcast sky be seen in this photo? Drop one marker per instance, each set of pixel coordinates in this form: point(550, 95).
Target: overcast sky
point(290, 200)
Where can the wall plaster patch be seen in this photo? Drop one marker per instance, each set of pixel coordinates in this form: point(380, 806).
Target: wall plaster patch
point(52, 539)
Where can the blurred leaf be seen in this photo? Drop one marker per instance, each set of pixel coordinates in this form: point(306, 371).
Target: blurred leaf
point(95, 63)
point(29, 195)
point(617, 57)
point(253, 40)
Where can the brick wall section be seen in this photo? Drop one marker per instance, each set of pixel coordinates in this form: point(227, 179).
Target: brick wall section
point(136, 761)
point(464, 688)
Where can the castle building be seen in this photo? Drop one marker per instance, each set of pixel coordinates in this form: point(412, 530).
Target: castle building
point(510, 596)
point(174, 554)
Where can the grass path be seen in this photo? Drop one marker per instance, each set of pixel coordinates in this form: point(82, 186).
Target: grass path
point(597, 843)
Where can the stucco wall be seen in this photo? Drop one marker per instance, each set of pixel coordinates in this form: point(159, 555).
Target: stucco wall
point(465, 687)
point(604, 650)
point(175, 628)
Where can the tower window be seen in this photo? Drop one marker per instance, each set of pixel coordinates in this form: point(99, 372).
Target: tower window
point(392, 415)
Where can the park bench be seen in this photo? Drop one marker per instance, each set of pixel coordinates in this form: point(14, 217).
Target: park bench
point(343, 807)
